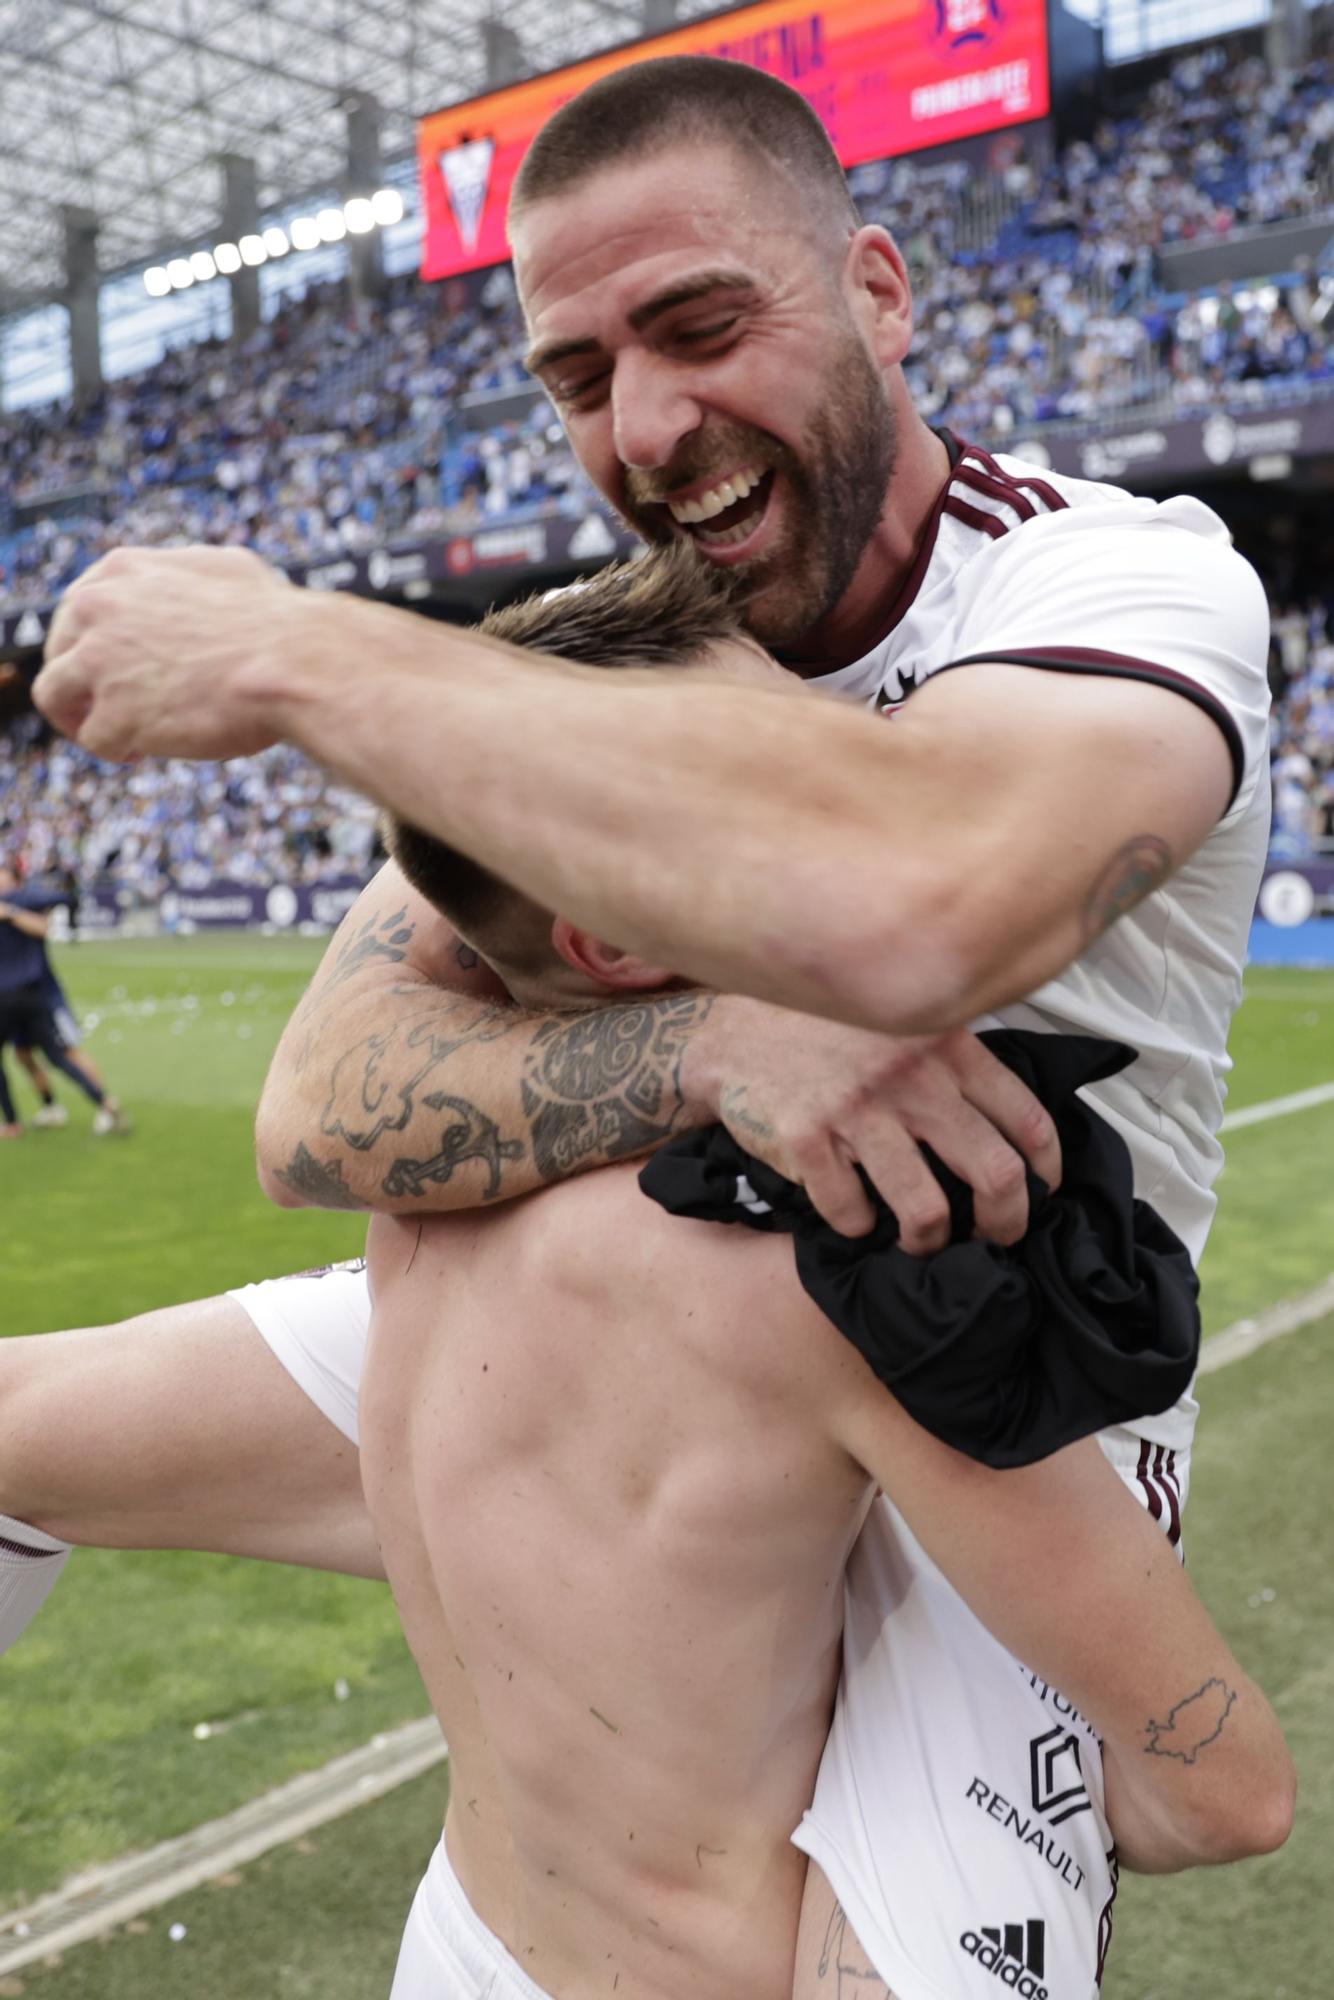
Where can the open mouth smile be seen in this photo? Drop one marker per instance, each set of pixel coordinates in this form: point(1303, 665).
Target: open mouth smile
point(727, 514)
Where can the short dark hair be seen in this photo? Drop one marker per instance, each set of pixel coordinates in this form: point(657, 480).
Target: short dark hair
point(663, 609)
point(672, 100)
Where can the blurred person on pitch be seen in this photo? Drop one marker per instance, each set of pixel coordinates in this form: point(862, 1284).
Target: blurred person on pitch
point(52, 1112)
point(35, 1016)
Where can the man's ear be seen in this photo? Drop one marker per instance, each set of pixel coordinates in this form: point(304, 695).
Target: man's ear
point(606, 964)
point(882, 296)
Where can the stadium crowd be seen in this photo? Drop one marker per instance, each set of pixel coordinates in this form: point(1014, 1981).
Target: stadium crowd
point(1219, 143)
point(1061, 314)
point(1302, 730)
point(155, 827)
point(344, 424)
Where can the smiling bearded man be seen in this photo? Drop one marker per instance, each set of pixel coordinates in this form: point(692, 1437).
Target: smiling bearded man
point(792, 493)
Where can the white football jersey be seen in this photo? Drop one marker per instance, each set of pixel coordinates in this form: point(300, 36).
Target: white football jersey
point(1034, 568)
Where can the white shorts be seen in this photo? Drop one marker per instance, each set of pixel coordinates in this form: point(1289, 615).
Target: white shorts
point(66, 1026)
point(959, 1812)
point(316, 1323)
point(447, 1951)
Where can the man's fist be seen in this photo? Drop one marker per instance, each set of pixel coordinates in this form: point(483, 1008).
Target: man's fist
point(175, 653)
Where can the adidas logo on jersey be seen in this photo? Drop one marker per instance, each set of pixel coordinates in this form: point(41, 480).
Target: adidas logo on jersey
point(1016, 1954)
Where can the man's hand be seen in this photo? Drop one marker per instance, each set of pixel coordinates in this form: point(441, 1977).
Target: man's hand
point(171, 653)
point(814, 1099)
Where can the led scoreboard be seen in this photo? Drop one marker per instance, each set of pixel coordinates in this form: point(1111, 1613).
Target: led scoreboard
point(886, 77)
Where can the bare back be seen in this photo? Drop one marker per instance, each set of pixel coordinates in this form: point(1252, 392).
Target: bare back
point(595, 1441)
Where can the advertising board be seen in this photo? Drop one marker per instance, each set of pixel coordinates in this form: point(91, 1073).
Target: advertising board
point(885, 76)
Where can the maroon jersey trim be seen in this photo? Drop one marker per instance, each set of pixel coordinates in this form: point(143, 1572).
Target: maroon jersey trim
point(1009, 494)
point(976, 517)
point(1120, 666)
point(1046, 493)
point(25, 1549)
point(990, 482)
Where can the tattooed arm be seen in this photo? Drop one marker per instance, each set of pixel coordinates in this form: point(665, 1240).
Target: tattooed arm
point(406, 1079)
point(1196, 1765)
point(832, 1962)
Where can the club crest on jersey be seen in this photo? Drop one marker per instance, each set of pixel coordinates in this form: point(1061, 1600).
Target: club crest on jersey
point(890, 698)
point(465, 170)
point(965, 25)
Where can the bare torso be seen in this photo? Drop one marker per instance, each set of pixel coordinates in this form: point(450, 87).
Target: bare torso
point(616, 1529)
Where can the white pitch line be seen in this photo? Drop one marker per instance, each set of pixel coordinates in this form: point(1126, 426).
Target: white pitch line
point(1245, 1335)
point(1278, 1107)
point(92, 1903)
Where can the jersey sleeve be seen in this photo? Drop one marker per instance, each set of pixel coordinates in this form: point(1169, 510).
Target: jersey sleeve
point(1161, 597)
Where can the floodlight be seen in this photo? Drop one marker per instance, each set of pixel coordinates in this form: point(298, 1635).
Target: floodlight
point(180, 274)
point(331, 225)
point(275, 241)
point(157, 283)
point(304, 232)
point(203, 266)
point(227, 258)
point(387, 206)
point(358, 215)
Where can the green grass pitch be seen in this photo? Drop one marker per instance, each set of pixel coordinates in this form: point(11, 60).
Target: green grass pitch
point(99, 1704)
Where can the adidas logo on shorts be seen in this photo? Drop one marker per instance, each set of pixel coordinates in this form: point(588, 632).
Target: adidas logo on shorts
point(1016, 1954)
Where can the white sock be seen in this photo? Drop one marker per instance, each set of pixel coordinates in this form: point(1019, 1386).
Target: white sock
point(30, 1562)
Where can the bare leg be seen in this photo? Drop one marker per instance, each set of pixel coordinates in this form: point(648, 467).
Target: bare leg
point(9, 1124)
point(178, 1429)
point(82, 1060)
point(37, 1076)
point(831, 1964)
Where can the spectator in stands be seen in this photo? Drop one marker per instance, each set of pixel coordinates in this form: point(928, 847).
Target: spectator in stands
point(150, 828)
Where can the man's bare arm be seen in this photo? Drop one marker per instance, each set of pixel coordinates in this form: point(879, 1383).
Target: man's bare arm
point(348, 1119)
point(407, 1080)
point(903, 878)
point(1197, 1768)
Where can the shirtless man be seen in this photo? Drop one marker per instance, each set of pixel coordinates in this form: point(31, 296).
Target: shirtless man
point(627, 1607)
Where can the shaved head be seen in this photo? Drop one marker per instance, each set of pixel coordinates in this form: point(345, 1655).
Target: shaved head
point(689, 100)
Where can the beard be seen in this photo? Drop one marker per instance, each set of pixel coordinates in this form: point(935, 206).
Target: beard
point(836, 481)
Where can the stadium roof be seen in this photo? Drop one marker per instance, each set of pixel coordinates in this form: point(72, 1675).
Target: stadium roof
point(121, 106)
